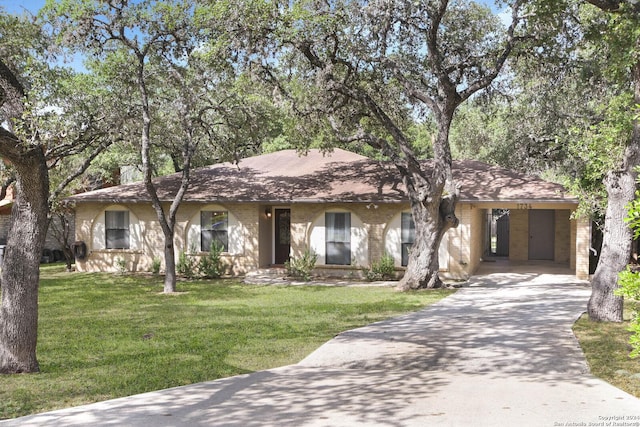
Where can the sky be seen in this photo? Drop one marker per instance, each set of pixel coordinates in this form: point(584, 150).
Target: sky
point(18, 6)
point(33, 6)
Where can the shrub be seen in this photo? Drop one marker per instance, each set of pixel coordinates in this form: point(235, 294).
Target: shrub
point(186, 266)
point(210, 265)
point(303, 266)
point(384, 269)
point(629, 282)
point(122, 265)
point(155, 265)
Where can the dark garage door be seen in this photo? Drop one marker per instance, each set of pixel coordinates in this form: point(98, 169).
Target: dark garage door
point(541, 234)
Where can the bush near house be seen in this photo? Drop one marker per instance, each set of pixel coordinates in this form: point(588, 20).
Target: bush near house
point(302, 267)
point(383, 269)
point(207, 266)
point(611, 348)
point(210, 265)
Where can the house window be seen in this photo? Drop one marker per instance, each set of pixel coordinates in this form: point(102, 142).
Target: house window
point(408, 236)
point(214, 228)
point(117, 229)
point(338, 238)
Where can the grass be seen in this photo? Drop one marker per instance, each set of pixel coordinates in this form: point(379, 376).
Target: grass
point(103, 336)
point(606, 347)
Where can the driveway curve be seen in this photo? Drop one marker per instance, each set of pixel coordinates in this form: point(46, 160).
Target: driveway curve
point(499, 352)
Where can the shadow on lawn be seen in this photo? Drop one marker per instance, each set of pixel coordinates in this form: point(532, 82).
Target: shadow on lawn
point(498, 329)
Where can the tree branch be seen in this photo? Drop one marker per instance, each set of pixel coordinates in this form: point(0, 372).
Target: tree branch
point(501, 59)
point(8, 76)
point(79, 171)
point(606, 5)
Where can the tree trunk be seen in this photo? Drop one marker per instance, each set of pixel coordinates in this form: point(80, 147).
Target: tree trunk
point(433, 197)
point(423, 266)
point(170, 265)
point(145, 154)
point(617, 237)
point(616, 248)
point(21, 266)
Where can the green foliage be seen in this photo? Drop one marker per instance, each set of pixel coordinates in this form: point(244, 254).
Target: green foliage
point(210, 265)
point(333, 70)
point(186, 266)
point(122, 265)
point(616, 35)
point(383, 269)
point(155, 265)
point(629, 283)
point(481, 130)
point(633, 217)
point(301, 267)
point(125, 337)
point(600, 147)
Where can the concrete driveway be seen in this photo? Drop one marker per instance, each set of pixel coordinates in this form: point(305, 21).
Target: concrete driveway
point(499, 352)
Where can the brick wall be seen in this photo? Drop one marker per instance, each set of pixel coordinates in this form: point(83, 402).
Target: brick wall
point(562, 244)
point(582, 242)
point(477, 219)
point(152, 243)
point(519, 235)
point(465, 242)
point(374, 219)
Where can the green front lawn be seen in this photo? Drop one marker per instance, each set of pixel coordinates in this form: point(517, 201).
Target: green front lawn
point(103, 336)
point(606, 347)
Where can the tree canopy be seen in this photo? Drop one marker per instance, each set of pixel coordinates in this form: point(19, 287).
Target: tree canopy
point(176, 84)
point(371, 73)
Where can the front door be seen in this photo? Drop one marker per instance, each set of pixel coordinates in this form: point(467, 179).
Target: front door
point(282, 235)
point(502, 235)
point(541, 234)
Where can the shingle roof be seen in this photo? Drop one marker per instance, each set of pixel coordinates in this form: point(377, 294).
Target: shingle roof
point(340, 176)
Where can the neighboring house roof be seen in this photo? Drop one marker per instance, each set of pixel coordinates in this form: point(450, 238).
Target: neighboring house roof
point(339, 176)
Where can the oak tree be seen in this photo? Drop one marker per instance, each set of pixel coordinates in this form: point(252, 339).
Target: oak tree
point(358, 71)
point(621, 37)
point(43, 123)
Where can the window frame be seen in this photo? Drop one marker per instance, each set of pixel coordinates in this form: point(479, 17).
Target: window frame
point(407, 237)
point(123, 227)
point(210, 233)
point(338, 241)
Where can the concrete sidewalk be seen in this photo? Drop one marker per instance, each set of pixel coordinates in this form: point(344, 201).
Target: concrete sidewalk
point(497, 353)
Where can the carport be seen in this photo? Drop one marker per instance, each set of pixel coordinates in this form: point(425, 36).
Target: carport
point(509, 216)
point(531, 233)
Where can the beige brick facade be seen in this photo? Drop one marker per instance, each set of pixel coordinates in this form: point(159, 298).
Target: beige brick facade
point(582, 244)
point(466, 243)
point(476, 241)
point(460, 262)
point(357, 185)
point(519, 235)
point(562, 244)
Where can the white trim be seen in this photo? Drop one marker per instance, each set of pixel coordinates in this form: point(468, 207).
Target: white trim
point(359, 238)
point(98, 233)
point(235, 231)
